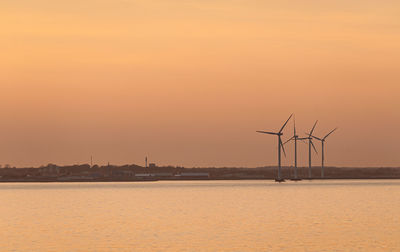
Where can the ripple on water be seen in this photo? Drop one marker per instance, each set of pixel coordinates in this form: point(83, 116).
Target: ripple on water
point(201, 216)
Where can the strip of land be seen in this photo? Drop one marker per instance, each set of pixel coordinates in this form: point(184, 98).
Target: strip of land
point(87, 173)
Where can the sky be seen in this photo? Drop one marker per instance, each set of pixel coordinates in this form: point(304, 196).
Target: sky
point(189, 82)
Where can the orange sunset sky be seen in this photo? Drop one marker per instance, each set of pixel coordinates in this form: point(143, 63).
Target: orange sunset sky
point(189, 82)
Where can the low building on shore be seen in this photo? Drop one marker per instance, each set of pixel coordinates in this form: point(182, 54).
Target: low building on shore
point(163, 174)
point(123, 173)
point(144, 175)
point(199, 175)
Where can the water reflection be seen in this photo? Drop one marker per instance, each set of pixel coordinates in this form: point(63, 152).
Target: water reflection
point(349, 215)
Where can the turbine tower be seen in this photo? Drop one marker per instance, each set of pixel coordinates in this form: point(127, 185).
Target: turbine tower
point(280, 145)
point(322, 149)
point(310, 144)
point(294, 138)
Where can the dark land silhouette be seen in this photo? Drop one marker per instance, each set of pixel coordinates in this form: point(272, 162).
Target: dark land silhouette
point(85, 172)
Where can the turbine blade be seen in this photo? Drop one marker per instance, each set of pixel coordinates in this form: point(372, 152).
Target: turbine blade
point(285, 123)
point(317, 138)
point(283, 148)
point(290, 139)
point(294, 126)
point(330, 133)
point(312, 130)
point(312, 144)
point(266, 132)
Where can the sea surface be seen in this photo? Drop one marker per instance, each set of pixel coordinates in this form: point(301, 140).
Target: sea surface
point(345, 215)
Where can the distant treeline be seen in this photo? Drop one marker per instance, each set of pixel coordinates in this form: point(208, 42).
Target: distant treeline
point(52, 170)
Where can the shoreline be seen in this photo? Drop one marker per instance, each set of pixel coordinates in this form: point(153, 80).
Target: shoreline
point(187, 179)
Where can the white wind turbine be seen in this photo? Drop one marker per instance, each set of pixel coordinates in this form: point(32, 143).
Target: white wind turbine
point(280, 146)
point(310, 144)
point(294, 138)
point(322, 149)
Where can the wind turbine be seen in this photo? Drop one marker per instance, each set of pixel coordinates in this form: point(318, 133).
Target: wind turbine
point(280, 145)
point(294, 138)
point(322, 146)
point(310, 143)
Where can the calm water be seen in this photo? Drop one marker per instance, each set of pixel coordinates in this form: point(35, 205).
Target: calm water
point(201, 216)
